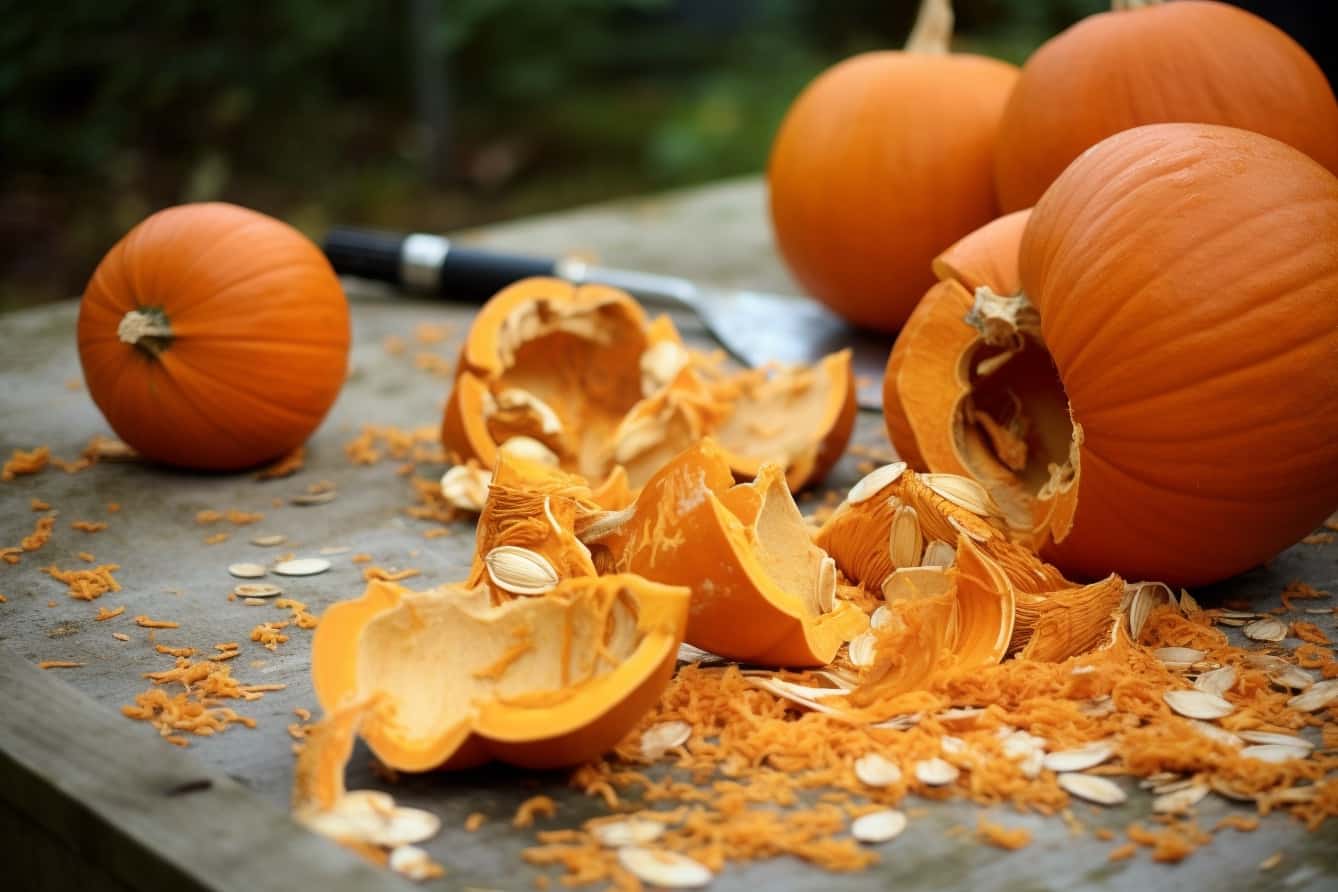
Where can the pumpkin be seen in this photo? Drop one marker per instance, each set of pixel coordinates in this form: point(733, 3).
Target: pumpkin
point(213, 337)
point(1153, 393)
point(576, 377)
point(762, 592)
point(880, 162)
point(1191, 61)
point(457, 680)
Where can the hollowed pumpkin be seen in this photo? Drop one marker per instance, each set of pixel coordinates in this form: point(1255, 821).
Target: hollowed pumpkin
point(575, 376)
point(213, 337)
point(540, 682)
point(761, 591)
point(1153, 394)
point(1156, 62)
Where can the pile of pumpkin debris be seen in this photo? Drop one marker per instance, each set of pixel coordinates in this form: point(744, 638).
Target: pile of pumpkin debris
point(928, 655)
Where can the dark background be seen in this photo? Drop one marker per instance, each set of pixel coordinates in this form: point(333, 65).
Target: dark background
point(415, 114)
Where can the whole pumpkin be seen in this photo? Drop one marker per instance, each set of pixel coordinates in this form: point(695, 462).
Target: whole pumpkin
point(1160, 397)
point(1191, 60)
point(213, 337)
point(881, 161)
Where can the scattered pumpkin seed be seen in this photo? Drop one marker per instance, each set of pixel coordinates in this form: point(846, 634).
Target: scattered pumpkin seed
point(1266, 629)
point(1217, 733)
point(257, 590)
point(1179, 801)
point(466, 487)
point(1316, 697)
point(935, 772)
point(905, 541)
point(862, 648)
point(253, 602)
point(874, 770)
point(1293, 677)
point(1217, 682)
point(659, 739)
point(659, 867)
point(268, 541)
point(1092, 788)
point(1079, 758)
point(875, 482)
point(1178, 657)
point(520, 571)
point(247, 571)
point(880, 617)
point(878, 826)
point(1197, 704)
point(334, 549)
point(302, 567)
point(962, 492)
point(314, 498)
point(952, 745)
point(413, 863)
point(1274, 752)
point(1271, 737)
point(628, 832)
point(939, 554)
point(1145, 597)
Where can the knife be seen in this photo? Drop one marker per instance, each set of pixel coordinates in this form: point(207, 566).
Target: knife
point(755, 328)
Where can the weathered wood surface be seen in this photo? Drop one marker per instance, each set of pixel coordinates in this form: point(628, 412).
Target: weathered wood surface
point(716, 234)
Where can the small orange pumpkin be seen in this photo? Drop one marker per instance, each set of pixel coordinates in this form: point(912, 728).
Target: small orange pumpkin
point(1157, 397)
point(1154, 62)
point(213, 337)
point(880, 162)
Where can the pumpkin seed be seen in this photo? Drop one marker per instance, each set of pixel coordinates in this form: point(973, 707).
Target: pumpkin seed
point(1265, 661)
point(826, 585)
point(1092, 788)
point(936, 772)
point(1317, 696)
point(1232, 622)
point(1225, 613)
point(962, 492)
point(530, 449)
point(1176, 802)
point(1216, 682)
point(1146, 597)
point(1270, 737)
point(246, 571)
point(861, 650)
point(1031, 766)
point(1217, 733)
point(960, 713)
point(689, 654)
point(911, 583)
point(257, 590)
point(880, 617)
point(628, 832)
point(875, 482)
point(938, 554)
point(465, 487)
point(878, 826)
point(874, 770)
point(666, 869)
point(268, 541)
point(1187, 603)
point(1288, 676)
point(952, 745)
point(253, 602)
point(898, 723)
point(302, 567)
point(659, 739)
point(905, 540)
point(515, 398)
point(330, 550)
point(306, 499)
point(1178, 657)
point(660, 364)
point(1021, 745)
point(520, 571)
point(413, 863)
point(1080, 758)
point(1197, 704)
point(1267, 629)
point(1318, 611)
point(1274, 752)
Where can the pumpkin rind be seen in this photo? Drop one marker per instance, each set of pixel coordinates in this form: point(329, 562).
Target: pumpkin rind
point(1189, 61)
point(258, 345)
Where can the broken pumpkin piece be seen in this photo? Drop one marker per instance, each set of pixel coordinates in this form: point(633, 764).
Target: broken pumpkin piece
point(575, 377)
point(761, 590)
point(538, 682)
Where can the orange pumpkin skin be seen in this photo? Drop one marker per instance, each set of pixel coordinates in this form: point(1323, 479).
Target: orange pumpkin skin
point(258, 343)
point(881, 161)
point(1186, 278)
point(1192, 60)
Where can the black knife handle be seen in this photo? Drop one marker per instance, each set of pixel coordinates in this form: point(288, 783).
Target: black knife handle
point(429, 264)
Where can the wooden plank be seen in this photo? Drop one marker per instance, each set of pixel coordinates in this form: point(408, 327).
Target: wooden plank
point(127, 812)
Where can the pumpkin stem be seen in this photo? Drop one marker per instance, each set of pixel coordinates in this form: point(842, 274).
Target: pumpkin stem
point(933, 28)
point(146, 329)
point(1003, 321)
point(1126, 5)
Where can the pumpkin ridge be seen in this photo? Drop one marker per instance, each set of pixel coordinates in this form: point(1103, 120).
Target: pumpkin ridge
point(289, 268)
point(284, 412)
point(223, 208)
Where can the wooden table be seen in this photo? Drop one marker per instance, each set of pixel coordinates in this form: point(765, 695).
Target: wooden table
point(89, 799)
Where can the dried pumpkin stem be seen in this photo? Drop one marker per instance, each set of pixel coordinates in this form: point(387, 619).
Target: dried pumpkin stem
point(1002, 321)
point(933, 28)
point(146, 329)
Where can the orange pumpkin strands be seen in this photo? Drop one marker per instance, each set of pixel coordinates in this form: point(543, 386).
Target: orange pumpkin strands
point(1010, 838)
point(269, 635)
point(287, 466)
point(104, 614)
point(147, 623)
point(534, 807)
point(58, 664)
point(1035, 316)
point(22, 462)
point(578, 378)
point(173, 367)
point(382, 574)
point(40, 535)
point(38, 505)
point(89, 526)
point(87, 585)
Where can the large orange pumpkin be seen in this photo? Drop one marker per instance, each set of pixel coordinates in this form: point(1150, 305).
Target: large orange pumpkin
point(1160, 399)
point(882, 161)
point(1192, 60)
point(213, 337)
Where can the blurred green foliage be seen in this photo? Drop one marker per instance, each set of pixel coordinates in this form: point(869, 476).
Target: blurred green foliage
point(305, 109)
